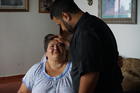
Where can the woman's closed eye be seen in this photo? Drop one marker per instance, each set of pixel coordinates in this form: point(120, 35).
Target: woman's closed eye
point(51, 46)
point(61, 44)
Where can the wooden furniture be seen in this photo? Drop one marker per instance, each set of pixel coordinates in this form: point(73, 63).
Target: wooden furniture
point(10, 84)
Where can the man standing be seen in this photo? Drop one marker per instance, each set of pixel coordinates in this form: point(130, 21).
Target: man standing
point(93, 49)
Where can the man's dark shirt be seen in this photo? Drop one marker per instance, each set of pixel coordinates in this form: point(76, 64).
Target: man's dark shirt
point(93, 49)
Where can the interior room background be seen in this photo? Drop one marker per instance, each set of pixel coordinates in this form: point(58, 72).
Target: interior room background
point(22, 33)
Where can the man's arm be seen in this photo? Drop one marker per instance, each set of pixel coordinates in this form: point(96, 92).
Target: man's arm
point(91, 61)
point(23, 89)
point(88, 82)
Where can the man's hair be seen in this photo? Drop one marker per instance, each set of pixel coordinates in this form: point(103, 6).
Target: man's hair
point(47, 40)
point(60, 6)
point(47, 4)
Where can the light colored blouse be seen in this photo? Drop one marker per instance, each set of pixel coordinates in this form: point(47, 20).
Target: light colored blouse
point(38, 81)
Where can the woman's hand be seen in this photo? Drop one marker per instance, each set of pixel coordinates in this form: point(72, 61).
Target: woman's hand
point(23, 89)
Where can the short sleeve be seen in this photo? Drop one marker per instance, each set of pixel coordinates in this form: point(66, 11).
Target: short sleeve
point(29, 77)
point(91, 52)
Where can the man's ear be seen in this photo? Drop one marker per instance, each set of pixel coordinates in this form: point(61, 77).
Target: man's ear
point(66, 17)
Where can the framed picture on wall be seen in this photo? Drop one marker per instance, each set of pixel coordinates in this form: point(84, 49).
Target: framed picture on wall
point(118, 11)
point(14, 5)
point(42, 6)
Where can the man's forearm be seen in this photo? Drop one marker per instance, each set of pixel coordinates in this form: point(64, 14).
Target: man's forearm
point(88, 82)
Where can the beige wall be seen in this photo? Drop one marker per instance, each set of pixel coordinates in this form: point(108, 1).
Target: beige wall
point(21, 39)
point(127, 35)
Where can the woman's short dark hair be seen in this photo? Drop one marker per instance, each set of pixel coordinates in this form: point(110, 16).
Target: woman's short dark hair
point(47, 39)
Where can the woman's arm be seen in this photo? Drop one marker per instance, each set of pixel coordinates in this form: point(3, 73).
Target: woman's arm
point(88, 82)
point(23, 89)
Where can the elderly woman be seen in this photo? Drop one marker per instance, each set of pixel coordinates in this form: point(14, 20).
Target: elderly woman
point(51, 75)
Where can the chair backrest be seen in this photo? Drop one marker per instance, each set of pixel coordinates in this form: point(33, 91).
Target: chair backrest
point(131, 72)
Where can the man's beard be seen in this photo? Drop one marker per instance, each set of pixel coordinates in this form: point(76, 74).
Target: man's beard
point(68, 27)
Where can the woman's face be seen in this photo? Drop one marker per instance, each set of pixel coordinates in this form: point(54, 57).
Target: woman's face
point(56, 50)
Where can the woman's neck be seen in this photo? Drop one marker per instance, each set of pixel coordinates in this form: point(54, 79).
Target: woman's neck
point(56, 64)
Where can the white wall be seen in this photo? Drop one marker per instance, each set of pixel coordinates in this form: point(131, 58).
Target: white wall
point(22, 33)
point(21, 39)
point(127, 35)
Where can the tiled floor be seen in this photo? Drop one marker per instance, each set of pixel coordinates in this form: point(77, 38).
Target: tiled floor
point(10, 84)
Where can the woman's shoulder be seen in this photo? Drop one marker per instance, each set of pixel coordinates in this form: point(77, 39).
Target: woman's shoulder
point(36, 68)
point(69, 66)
